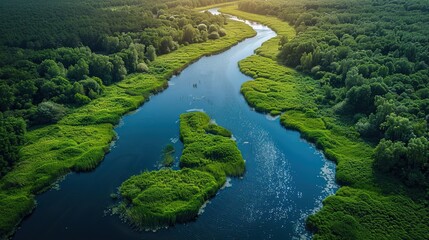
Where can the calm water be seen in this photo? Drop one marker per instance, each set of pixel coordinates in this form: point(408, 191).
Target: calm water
point(286, 177)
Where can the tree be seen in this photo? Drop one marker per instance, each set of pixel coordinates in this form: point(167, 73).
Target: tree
point(6, 96)
point(418, 152)
point(12, 132)
point(111, 44)
point(359, 98)
point(50, 69)
point(142, 67)
point(213, 28)
point(306, 61)
point(130, 58)
point(151, 53)
point(25, 91)
point(49, 112)
point(189, 33)
point(78, 71)
point(166, 45)
point(140, 48)
point(222, 32)
point(389, 155)
point(100, 66)
point(398, 128)
point(119, 71)
point(213, 35)
point(92, 87)
point(202, 27)
point(354, 78)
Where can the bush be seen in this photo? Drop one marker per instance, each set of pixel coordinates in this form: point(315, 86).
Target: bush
point(222, 32)
point(81, 99)
point(142, 67)
point(49, 112)
point(214, 35)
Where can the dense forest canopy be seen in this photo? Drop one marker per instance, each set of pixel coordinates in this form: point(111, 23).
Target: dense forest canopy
point(59, 55)
point(371, 59)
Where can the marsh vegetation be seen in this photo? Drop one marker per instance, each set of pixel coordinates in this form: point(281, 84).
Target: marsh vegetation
point(166, 197)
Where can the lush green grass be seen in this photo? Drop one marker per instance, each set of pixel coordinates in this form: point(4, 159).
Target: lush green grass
point(339, 143)
point(357, 213)
point(79, 141)
point(368, 206)
point(208, 150)
point(269, 48)
point(159, 198)
point(164, 197)
point(275, 88)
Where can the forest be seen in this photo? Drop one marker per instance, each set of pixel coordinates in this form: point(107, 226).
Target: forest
point(371, 60)
point(56, 56)
point(352, 76)
point(368, 64)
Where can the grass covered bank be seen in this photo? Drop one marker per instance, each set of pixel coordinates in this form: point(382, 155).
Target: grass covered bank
point(165, 197)
point(270, 48)
point(80, 140)
point(368, 206)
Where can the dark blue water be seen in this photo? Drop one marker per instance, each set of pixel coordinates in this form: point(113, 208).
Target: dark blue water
point(286, 177)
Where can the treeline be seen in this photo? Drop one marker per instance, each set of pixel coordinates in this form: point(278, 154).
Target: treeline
point(59, 55)
point(12, 132)
point(371, 59)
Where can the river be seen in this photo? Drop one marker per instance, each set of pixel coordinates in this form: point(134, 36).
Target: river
point(286, 177)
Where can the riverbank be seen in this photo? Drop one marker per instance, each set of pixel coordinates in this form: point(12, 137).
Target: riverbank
point(81, 139)
point(368, 206)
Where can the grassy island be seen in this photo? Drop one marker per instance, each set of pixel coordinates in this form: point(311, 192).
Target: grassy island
point(165, 197)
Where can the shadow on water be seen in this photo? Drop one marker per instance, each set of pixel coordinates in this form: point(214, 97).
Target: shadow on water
point(286, 177)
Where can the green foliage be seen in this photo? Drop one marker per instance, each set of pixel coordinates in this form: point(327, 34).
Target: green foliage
point(6, 96)
point(50, 69)
point(12, 132)
point(166, 197)
point(360, 214)
point(142, 67)
point(350, 80)
point(269, 48)
point(218, 130)
point(275, 88)
point(151, 53)
point(78, 71)
point(214, 151)
point(214, 35)
point(49, 152)
point(407, 161)
point(167, 155)
point(49, 112)
point(84, 39)
point(79, 141)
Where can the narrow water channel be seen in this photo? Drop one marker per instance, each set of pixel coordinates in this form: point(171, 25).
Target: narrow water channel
point(285, 181)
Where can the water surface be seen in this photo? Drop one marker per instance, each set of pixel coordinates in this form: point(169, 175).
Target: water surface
point(285, 181)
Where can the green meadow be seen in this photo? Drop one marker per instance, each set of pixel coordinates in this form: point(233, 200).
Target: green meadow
point(367, 206)
point(81, 139)
point(165, 197)
point(270, 48)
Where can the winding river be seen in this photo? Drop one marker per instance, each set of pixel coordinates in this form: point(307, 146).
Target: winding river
point(286, 179)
